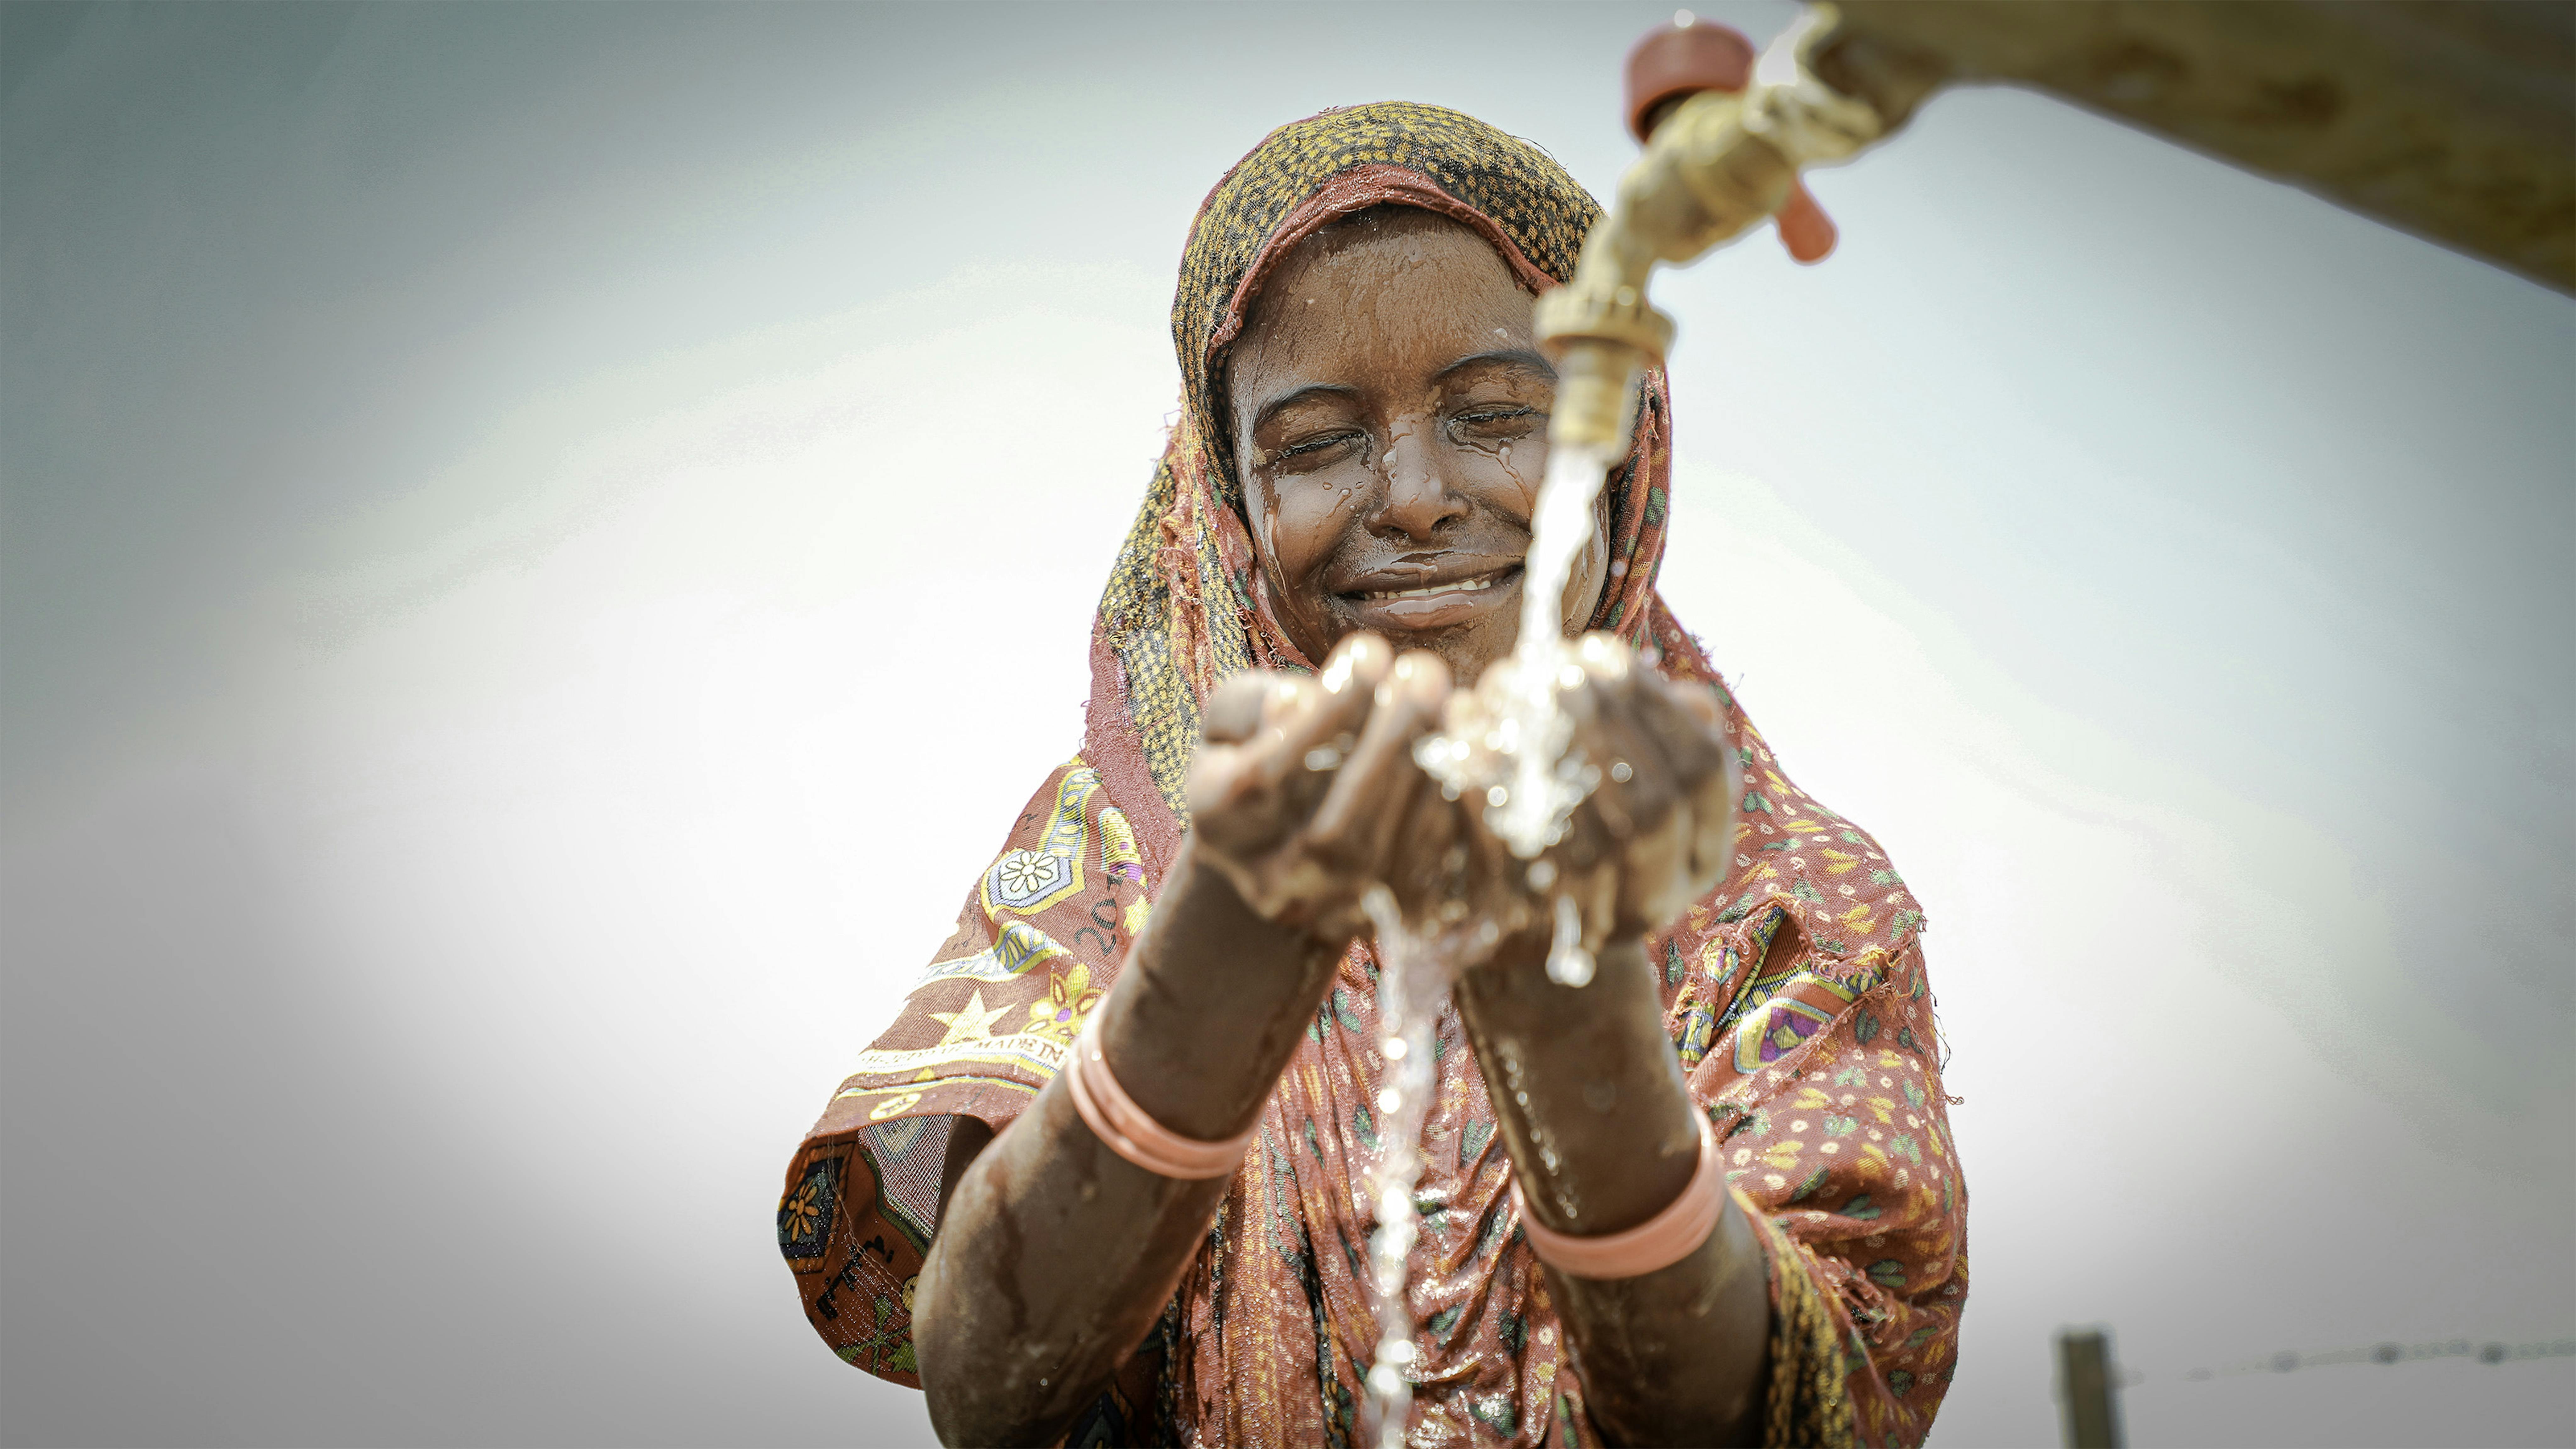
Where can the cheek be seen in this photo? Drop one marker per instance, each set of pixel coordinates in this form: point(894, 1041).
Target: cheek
point(1504, 477)
point(1299, 527)
point(1526, 465)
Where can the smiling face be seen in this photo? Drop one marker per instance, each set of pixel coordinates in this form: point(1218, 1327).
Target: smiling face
point(1390, 410)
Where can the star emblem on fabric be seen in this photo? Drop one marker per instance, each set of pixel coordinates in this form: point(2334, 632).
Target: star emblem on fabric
point(1136, 910)
point(970, 1022)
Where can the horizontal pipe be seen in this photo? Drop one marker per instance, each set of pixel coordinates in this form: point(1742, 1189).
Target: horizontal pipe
point(2452, 119)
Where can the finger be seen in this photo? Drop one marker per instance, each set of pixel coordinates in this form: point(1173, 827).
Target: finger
point(1358, 819)
point(1630, 773)
point(1710, 791)
point(1427, 854)
point(1635, 764)
point(1233, 712)
point(1654, 849)
point(1712, 836)
point(1684, 724)
point(1319, 719)
point(1805, 230)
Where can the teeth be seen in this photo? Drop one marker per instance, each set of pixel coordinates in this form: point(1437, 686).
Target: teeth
point(1463, 586)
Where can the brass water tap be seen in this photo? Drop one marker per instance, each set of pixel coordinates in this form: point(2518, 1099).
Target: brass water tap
point(1716, 165)
point(2449, 120)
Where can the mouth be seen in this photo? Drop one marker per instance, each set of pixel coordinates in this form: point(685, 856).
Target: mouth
point(1461, 586)
point(1401, 605)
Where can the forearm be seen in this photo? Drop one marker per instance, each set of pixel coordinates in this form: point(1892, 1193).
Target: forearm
point(1054, 1254)
point(1602, 1134)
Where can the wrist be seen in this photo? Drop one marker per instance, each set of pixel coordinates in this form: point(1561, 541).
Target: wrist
point(1599, 1123)
point(1511, 986)
point(1210, 1004)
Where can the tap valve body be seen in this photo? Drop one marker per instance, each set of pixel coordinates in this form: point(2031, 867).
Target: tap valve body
point(1717, 164)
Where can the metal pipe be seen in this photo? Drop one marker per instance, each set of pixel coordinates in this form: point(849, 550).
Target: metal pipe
point(2455, 119)
point(2452, 119)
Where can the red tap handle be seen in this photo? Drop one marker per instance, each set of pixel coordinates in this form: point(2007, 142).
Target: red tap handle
point(1671, 63)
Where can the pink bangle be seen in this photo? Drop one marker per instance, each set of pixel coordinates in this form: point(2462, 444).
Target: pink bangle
point(1115, 1119)
point(1658, 1242)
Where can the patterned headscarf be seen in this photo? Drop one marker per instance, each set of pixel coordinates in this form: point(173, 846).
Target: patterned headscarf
point(1180, 614)
point(1794, 994)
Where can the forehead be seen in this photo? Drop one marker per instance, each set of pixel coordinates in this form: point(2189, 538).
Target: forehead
point(1384, 286)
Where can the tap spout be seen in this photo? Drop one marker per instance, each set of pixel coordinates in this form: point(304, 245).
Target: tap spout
point(1720, 163)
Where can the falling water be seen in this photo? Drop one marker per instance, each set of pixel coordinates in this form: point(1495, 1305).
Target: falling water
point(1414, 972)
point(1510, 747)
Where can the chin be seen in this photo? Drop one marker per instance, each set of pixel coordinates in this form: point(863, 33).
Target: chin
point(1468, 654)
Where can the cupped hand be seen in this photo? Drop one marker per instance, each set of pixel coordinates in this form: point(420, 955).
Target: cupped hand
point(1658, 828)
point(1305, 790)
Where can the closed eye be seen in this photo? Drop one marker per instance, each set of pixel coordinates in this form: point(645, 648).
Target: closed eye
point(1313, 449)
point(1495, 424)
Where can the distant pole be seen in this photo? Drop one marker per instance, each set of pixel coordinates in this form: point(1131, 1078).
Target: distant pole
point(2084, 1386)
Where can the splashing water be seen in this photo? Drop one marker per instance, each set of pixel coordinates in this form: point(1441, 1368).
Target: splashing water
point(1510, 747)
point(1509, 744)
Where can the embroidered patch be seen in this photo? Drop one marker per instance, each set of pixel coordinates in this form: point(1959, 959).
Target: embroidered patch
point(805, 1215)
point(1028, 881)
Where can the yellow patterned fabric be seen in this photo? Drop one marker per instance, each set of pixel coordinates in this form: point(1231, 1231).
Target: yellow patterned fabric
point(1795, 994)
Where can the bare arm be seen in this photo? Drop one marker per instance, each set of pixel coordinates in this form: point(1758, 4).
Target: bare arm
point(1675, 1356)
point(1600, 1125)
point(1054, 1255)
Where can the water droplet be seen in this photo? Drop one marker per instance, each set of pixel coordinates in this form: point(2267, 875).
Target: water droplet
point(1568, 964)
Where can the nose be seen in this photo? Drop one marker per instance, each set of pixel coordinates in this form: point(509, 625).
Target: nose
point(1417, 498)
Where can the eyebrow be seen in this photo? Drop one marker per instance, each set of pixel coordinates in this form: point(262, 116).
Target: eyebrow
point(1518, 359)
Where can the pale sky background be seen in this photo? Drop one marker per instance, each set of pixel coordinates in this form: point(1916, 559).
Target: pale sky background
point(544, 545)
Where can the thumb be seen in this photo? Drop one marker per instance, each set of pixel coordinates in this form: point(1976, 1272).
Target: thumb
point(1804, 228)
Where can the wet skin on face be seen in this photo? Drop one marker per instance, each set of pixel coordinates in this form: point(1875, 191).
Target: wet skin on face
point(1389, 407)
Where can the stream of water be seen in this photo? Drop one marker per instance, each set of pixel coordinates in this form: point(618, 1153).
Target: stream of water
point(1507, 746)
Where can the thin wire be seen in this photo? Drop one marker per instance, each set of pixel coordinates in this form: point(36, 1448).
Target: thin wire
point(2291, 1361)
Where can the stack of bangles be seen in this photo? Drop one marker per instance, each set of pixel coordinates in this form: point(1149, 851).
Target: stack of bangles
point(1659, 1242)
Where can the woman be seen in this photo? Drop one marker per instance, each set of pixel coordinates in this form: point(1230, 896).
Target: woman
point(1331, 545)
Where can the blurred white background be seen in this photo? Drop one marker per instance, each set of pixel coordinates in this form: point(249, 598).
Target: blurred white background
point(544, 545)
